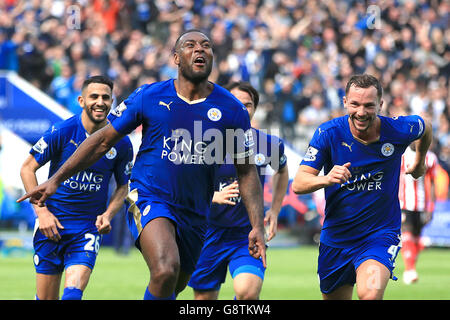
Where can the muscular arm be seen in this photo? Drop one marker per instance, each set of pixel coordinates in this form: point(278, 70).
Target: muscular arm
point(251, 192)
point(89, 152)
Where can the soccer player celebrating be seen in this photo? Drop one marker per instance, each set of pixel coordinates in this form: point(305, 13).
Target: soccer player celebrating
point(417, 200)
point(361, 155)
point(185, 124)
point(228, 225)
point(70, 224)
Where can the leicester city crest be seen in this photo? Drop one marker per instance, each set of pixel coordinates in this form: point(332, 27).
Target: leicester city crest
point(387, 149)
point(214, 114)
point(111, 154)
point(260, 159)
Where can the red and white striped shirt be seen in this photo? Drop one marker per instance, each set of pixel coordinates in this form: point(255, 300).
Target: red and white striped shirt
point(415, 194)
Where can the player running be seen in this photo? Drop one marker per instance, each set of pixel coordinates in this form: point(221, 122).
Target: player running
point(228, 225)
point(361, 155)
point(185, 122)
point(69, 226)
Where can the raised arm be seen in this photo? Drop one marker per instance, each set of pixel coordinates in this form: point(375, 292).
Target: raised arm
point(251, 192)
point(89, 152)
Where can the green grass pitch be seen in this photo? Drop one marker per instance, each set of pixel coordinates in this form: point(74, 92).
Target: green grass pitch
point(291, 275)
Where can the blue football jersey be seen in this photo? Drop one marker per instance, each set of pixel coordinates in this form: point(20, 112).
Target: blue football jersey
point(182, 141)
point(269, 150)
point(368, 202)
point(83, 196)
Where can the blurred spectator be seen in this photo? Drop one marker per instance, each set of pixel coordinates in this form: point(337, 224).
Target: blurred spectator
point(314, 114)
point(8, 55)
point(61, 86)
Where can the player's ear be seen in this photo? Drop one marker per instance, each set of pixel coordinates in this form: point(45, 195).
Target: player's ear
point(81, 101)
point(176, 58)
point(381, 104)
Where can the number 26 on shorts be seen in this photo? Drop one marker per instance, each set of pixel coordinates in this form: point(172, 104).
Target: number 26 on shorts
point(93, 243)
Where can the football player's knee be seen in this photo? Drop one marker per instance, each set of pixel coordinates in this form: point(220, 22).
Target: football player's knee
point(247, 290)
point(370, 295)
point(247, 294)
point(166, 273)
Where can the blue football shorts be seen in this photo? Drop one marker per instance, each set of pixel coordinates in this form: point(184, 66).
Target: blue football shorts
point(190, 228)
point(77, 246)
point(337, 266)
point(224, 247)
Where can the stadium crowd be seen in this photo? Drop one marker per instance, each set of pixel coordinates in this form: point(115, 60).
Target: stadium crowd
point(297, 53)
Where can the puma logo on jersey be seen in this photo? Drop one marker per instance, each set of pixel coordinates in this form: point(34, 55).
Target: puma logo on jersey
point(345, 144)
point(162, 103)
point(74, 143)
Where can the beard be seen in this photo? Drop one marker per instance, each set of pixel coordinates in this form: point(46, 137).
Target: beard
point(97, 119)
point(362, 127)
point(195, 76)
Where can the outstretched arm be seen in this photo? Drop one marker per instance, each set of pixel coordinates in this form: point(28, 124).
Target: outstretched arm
point(251, 192)
point(89, 152)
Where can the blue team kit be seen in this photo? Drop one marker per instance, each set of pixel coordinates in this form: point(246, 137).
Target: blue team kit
point(180, 138)
point(373, 186)
point(226, 242)
point(78, 200)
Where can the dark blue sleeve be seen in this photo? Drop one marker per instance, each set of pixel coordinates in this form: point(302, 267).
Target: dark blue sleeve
point(282, 161)
point(124, 164)
point(48, 145)
point(244, 136)
point(127, 116)
point(318, 150)
point(278, 159)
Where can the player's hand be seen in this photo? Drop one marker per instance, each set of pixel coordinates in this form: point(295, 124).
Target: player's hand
point(226, 194)
point(416, 170)
point(40, 193)
point(49, 224)
point(271, 223)
point(257, 245)
point(339, 174)
point(103, 224)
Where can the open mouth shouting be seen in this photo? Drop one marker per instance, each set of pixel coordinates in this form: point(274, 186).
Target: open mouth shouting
point(200, 62)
